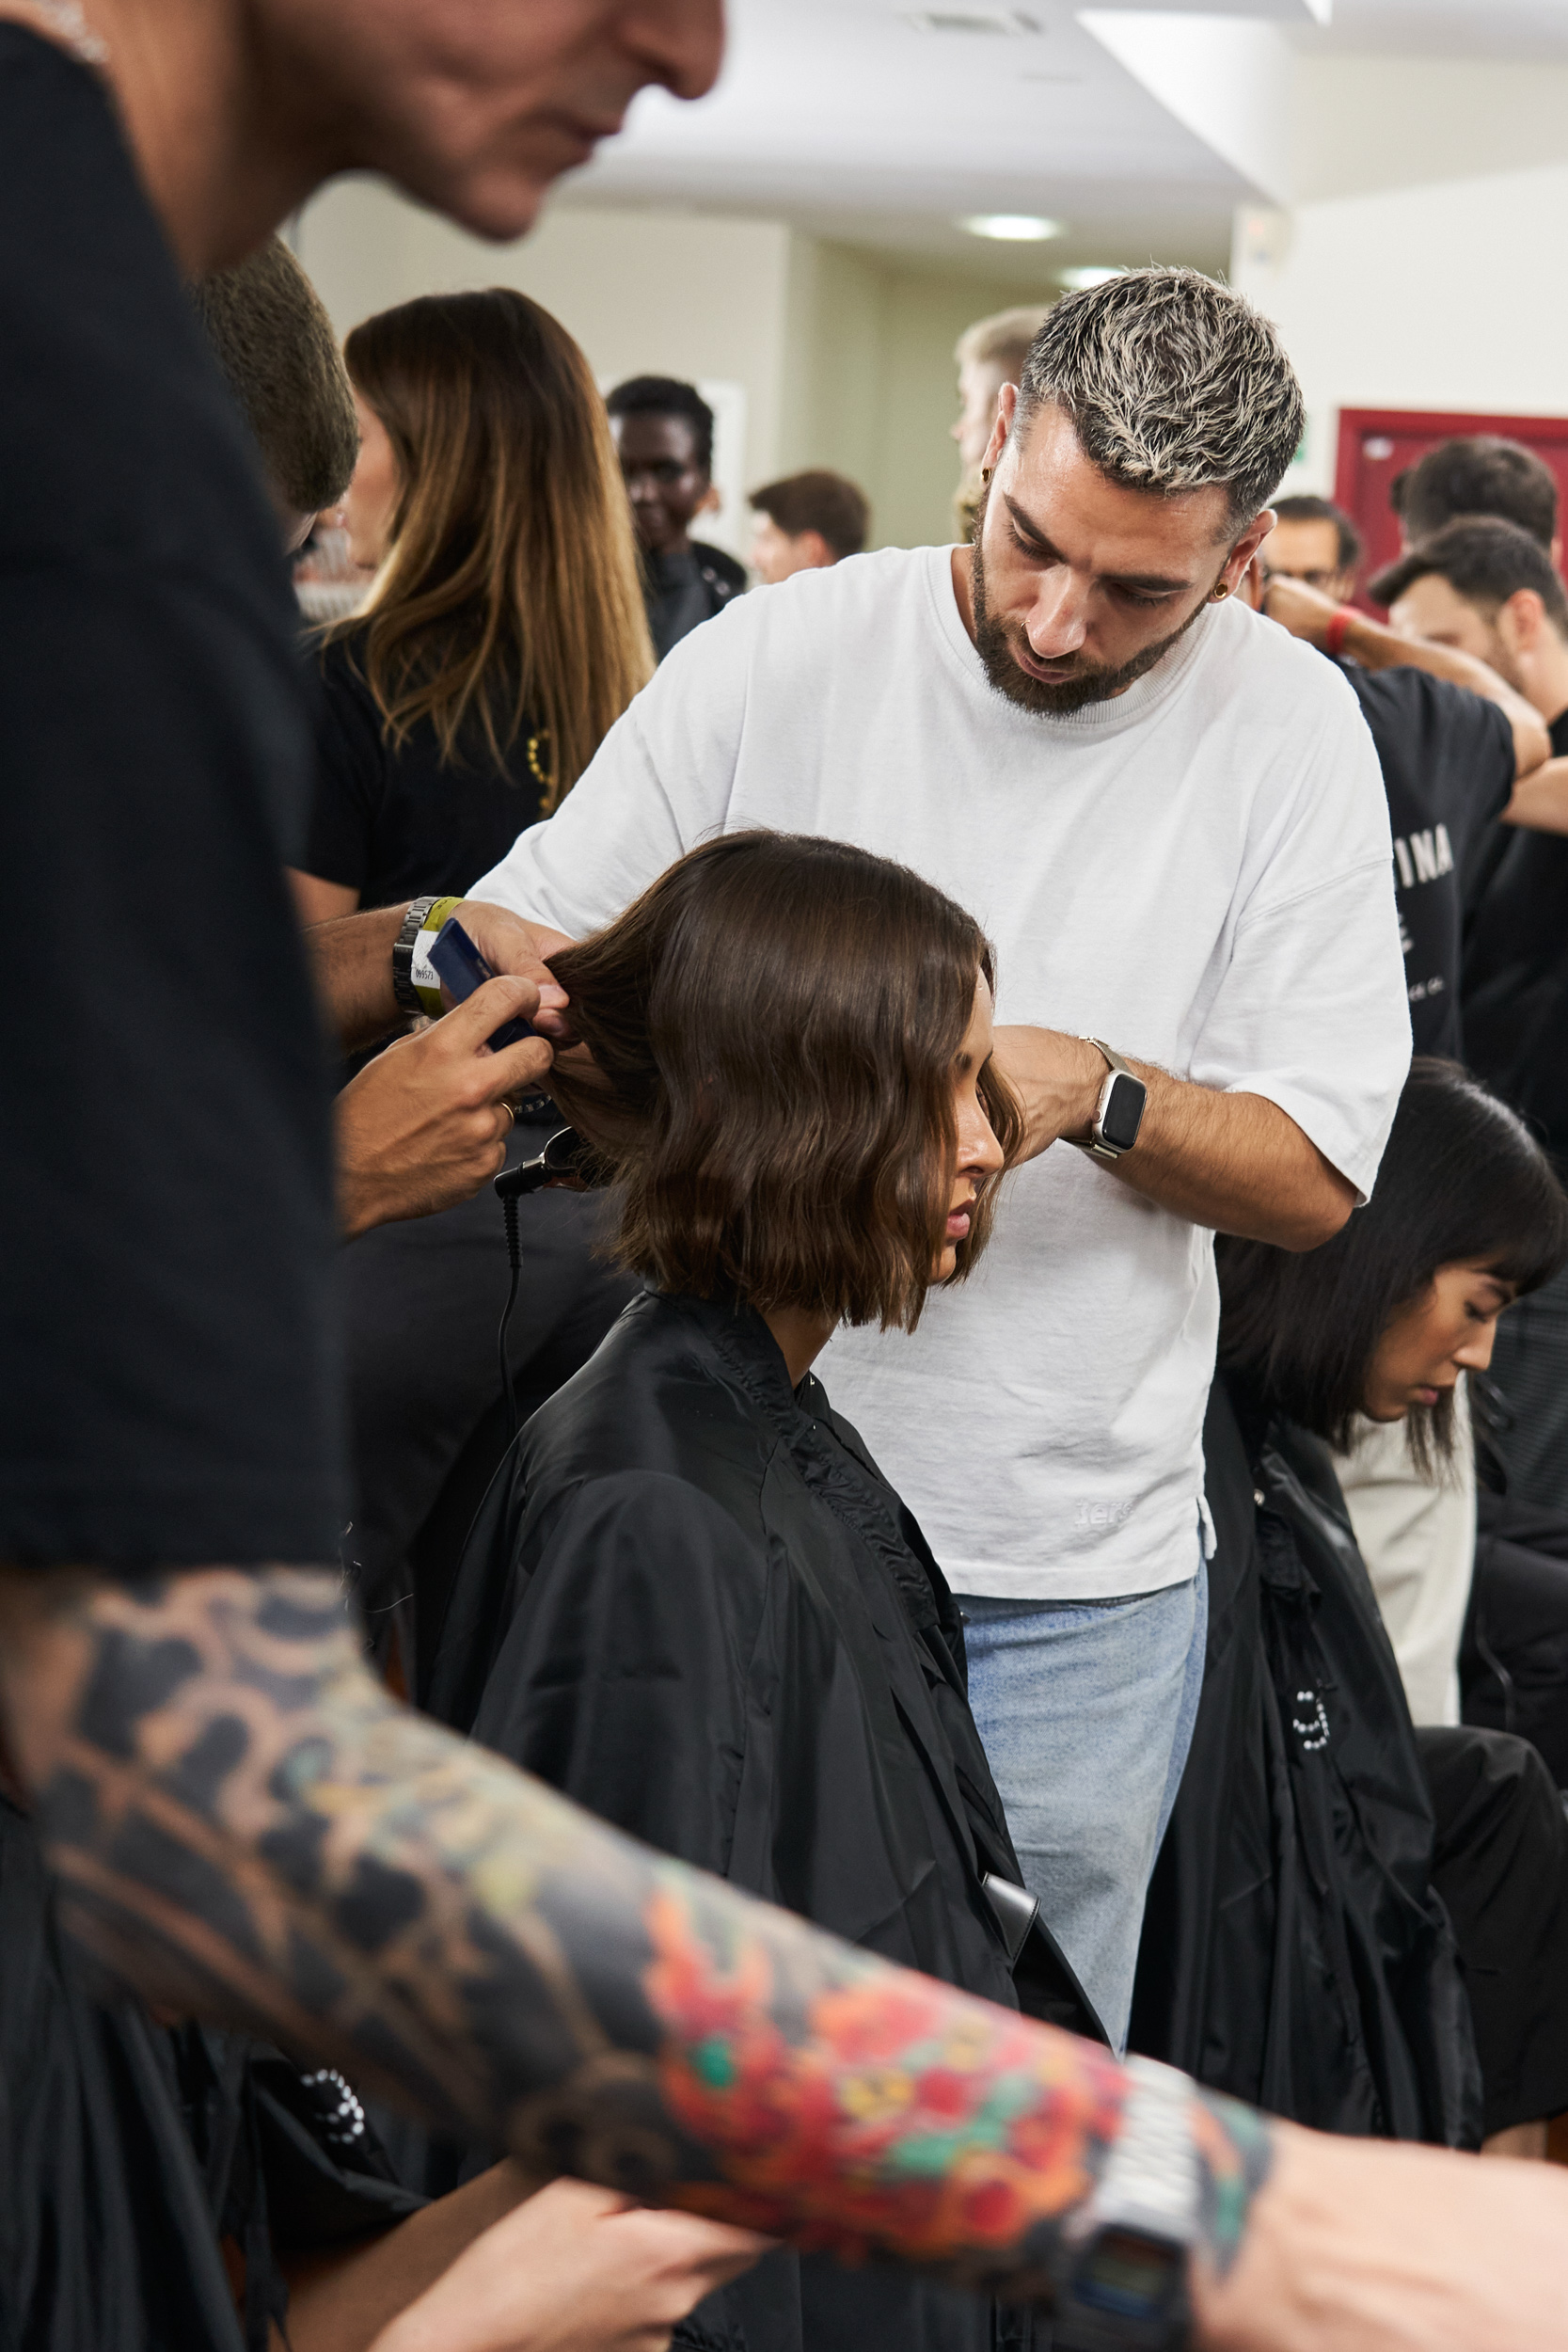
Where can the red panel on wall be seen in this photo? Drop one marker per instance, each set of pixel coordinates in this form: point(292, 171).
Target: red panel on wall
point(1375, 444)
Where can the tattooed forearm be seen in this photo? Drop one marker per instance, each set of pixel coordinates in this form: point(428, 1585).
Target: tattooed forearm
point(243, 1823)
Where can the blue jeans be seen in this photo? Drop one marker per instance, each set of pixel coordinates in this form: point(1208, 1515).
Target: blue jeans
point(1086, 1712)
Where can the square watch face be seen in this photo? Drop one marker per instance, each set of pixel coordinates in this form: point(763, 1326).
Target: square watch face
point(1123, 1113)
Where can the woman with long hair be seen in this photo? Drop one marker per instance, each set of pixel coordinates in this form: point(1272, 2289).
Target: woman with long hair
point(691, 1599)
point(501, 636)
point(1297, 1940)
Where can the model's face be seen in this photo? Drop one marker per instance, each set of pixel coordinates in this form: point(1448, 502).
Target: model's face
point(1079, 584)
point(1306, 551)
point(1430, 608)
point(664, 482)
point(1432, 1340)
point(780, 554)
point(979, 382)
point(371, 499)
point(979, 1153)
point(477, 105)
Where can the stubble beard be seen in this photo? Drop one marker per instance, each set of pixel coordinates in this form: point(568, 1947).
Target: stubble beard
point(1093, 683)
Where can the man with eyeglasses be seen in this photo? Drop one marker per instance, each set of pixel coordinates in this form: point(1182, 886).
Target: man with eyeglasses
point(1314, 541)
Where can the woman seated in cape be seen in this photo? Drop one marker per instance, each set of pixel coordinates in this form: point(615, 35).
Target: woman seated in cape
point(1299, 1942)
point(690, 1600)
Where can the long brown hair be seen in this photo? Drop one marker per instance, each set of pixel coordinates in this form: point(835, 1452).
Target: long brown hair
point(774, 1027)
point(511, 591)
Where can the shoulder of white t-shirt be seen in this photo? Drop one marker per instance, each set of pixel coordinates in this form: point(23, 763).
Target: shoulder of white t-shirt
point(875, 574)
point(1267, 658)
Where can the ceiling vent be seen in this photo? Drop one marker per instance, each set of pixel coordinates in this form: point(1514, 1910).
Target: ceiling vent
point(1011, 20)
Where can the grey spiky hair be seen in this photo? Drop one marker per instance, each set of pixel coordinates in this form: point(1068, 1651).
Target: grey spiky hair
point(1172, 383)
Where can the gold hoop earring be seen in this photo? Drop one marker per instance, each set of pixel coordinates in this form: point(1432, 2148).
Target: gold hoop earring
point(985, 473)
point(1218, 595)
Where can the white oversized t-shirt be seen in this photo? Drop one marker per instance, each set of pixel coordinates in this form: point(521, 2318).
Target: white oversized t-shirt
point(1198, 871)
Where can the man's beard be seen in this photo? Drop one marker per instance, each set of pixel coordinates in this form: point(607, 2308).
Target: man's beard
point(1092, 683)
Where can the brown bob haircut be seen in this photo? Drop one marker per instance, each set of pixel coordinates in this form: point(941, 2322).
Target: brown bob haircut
point(773, 1026)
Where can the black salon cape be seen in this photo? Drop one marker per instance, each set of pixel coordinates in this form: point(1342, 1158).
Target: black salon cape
point(1293, 1951)
point(691, 1603)
point(127, 2151)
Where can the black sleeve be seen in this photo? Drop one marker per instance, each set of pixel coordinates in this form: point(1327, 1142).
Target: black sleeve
point(167, 1348)
point(1455, 747)
point(1477, 741)
point(621, 1681)
point(351, 773)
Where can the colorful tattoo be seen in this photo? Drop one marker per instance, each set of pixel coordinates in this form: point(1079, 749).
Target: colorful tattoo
point(1235, 2147)
point(245, 1823)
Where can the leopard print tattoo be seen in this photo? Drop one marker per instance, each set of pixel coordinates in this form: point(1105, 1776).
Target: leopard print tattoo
point(244, 1823)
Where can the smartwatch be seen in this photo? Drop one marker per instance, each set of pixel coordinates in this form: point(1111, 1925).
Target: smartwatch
point(1123, 2283)
point(1120, 1110)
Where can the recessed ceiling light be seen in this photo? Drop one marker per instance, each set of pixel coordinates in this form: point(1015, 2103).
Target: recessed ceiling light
point(972, 21)
point(1012, 228)
point(1093, 274)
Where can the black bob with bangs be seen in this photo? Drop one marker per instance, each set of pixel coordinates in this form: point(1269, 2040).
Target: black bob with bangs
point(1462, 1179)
point(774, 1024)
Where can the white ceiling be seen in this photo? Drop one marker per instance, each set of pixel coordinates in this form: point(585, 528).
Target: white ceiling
point(863, 120)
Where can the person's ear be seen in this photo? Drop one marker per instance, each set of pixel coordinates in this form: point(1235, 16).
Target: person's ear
point(1244, 549)
point(1522, 621)
point(817, 555)
point(1006, 408)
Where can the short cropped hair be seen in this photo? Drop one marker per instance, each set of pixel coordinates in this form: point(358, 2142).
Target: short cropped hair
point(1476, 473)
point(667, 396)
point(776, 1019)
point(1316, 510)
point(817, 501)
point(1461, 1177)
point(275, 344)
point(1003, 340)
point(1484, 562)
point(1173, 383)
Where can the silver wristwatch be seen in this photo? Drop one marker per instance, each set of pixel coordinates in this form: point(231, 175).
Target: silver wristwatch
point(1120, 1110)
point(1122, 2284)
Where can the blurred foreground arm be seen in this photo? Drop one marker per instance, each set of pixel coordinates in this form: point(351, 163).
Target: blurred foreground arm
point(1363, 2246)
point(244, 1823)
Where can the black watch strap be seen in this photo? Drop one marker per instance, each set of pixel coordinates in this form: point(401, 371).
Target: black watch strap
point(402, 954)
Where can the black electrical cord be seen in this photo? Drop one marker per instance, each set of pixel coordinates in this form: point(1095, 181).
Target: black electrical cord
point(563, 1161)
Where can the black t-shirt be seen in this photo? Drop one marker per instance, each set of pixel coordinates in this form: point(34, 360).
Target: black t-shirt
point(1448, 763)
point(683, 590)
point(395, 822)
point(1516, 978)
point(166, 1195)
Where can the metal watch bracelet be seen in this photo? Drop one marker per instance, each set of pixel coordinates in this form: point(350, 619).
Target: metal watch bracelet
point(402, 954)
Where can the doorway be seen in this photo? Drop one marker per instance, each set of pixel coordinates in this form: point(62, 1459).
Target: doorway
point(1375, 444)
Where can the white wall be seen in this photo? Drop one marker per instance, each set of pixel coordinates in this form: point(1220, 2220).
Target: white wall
point(813, 353)
point(644, 293)
point(1440, 297)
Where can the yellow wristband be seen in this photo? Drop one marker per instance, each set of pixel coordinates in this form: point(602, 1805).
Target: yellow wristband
point(427, 984)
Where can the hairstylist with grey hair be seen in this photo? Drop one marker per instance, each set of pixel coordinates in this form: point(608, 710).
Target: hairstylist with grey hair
point(1170, 820)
